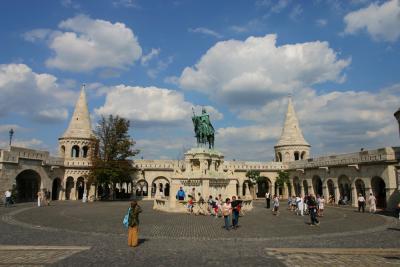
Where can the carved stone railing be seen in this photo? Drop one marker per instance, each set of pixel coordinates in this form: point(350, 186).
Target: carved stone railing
point(369, 156)
point(181, 206)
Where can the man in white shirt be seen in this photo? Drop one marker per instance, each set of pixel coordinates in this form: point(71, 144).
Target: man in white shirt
point(7, 194)
point(268, 199)
point(372, 203)
point(361, 203)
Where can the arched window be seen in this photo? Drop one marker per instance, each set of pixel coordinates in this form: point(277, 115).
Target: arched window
point(303, 155)
point(279, 157)
point(75, 151)
point(62, 151)
point(85, 151)
point(296, 155)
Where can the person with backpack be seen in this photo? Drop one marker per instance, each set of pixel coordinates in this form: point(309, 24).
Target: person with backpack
point(312, 207)
point(236, 206)
point(133, 224)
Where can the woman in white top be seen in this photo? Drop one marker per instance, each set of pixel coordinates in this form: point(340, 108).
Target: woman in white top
point(226, 212)
point(321, 206)
point(372, 203)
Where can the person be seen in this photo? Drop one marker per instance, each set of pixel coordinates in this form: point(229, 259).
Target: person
point(7, 196)
point(226, 212)
point(216, 206)
point(268, 199)
point(361, 203)
point(84, 197)
point(312, 207)
point(236, 207)
point(201, 199)
point(190, 205)
point(289, 202)
point(133, 223)
point(372, 203)
point(276, 205)
point(39, 198)
point(321, 206)
point(300, 206)
point(193, 194)
point(180, 195)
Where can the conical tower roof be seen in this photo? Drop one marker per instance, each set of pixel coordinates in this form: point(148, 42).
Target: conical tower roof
point(291, 132)
point(80, 125)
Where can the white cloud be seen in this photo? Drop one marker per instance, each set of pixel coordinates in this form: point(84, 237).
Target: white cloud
point(152, 54)
point(126, 3)
point(321, 22)
point(5, 128)
point(70, 4)
point(205, 31)
point(86, 44)
point(30, 143)
point(256, 70)
point(296, 12)
point(382, 22)
point(37, 35)
point(150, 106)
point(38, 96)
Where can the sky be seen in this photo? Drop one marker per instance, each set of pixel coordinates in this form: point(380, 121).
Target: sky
point(151, 61)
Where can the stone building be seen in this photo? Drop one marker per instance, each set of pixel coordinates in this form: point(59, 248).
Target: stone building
point(341, 176)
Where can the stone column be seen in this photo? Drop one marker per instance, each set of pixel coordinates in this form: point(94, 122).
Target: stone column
point(302, 190)
point(240, 189)
point(205, 189)
point(247, 191)
point(325, 191)
point(73, 191)
point(337, 194)
point(62, 190)
point(174, 187)
point(354, 196)
point(157, 194)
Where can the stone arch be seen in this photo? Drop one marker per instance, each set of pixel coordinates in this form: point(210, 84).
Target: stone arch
point(75, 151)
point(80, 187)
point(317, 185)
point(159, 184)
point(379, 190)
point(263, 187)
point(297, 186)
point(85, 151)
point(296, 155)
point(360, 187)
point(331, 188)
point(344, 188)
point(62, 151)
point(28, 185)
point(303, 155)
point(305, 187)
point(142, 188)
point(69, 185)
point(56, 189)
point(279, 157)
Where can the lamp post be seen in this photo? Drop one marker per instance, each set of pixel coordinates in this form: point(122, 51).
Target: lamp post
point(11, 132)
point(397, 116)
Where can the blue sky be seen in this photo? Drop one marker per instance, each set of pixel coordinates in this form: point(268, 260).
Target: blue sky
point(151, 61)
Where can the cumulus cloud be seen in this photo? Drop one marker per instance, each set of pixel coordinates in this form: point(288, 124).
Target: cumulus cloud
point(31, 143)
point(150, 106)
point(257, 70)
point(85, 44)
point(38, 96)
point(382, 22)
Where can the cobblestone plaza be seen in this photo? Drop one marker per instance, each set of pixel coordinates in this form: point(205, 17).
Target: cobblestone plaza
point(91, 234)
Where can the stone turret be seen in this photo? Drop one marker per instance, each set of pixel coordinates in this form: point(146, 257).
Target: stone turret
point(76, 146)
point(291, 145)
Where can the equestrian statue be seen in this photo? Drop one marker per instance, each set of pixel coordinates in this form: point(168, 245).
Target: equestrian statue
point(204, 131)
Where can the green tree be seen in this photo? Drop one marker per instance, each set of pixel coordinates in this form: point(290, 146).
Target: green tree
point(112, 160)
point(253, 176)
point(283, 178)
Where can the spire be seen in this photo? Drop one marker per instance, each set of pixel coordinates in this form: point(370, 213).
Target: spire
point(291, 132)
point(80, 125)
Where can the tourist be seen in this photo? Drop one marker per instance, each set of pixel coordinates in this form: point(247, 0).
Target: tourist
point(236, 207)
point(361, 203)
point(321, 206)
point(276, 205)
point(180, 195)
point(216, 207)
point(7, 196)
point(133, 223)
point(305, 203)
point(226, 212)
point(312, 208)
point(294, 205)
point(193, 194)
point(210, 203)
point(201, 199)
point(39, 198)
point(300, 206)
point(268, 199)
point(289, 202)
point(190, 205)
point(84, 197)
point(372, 203)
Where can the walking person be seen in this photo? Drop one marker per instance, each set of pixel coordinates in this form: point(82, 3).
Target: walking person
point(372, 203)
point(312, 207)
point(321, 206)
point(236, 206)
point(39, 198)
point(226, 212)
point(133, 223)
point(268, 199)
point(361, 203)
point(7, 196)
point(276, 205)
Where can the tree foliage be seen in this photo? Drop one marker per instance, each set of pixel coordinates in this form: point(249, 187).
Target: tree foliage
point(283, 178)
point(253, 176)
point(112, 163)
